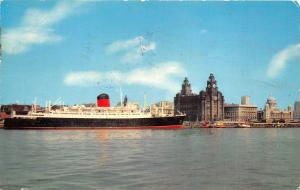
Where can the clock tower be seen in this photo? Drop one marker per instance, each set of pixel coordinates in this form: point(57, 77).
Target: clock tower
point(212, 101)
point(208, 105)
point(211, 84)
point(186, 87)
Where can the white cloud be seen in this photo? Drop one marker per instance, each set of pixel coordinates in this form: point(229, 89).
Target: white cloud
point(122, 45)
point(132, 56)
point(82, 78)
point(280, 60)
point(132, 50)
point(297, 3)
point(36, 28)
point(160, 76)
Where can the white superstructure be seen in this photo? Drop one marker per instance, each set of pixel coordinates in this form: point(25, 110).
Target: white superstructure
point(81, 111)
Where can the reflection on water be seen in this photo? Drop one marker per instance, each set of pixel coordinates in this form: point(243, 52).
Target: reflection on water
point(144, 159)
point(101, 135)
point(213, 131)
point(108, 152)
point(64, 136)
point(104, 135)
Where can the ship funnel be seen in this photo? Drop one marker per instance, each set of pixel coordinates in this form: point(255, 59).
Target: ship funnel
point(103, 100)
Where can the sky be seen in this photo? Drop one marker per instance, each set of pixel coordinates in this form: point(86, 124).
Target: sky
point(72, 51)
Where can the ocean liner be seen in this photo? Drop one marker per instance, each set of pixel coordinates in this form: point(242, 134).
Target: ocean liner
point(101, 116)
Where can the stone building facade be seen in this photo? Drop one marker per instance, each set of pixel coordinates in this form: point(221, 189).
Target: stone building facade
point(274, 114)
point(18, 108)
point(187, 102)
point(162, 108)
point(208, 105)
point(211, 101)
point(297, 111)
point(243, 112)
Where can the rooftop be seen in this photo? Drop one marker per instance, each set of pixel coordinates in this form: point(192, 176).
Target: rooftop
point(239, 105)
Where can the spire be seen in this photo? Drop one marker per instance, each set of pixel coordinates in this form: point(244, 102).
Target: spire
point(125, 101)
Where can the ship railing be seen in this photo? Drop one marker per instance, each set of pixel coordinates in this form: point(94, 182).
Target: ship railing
point(33, 116)
point(84, 115)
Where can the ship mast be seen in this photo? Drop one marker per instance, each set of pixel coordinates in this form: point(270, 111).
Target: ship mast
point(121, 97)
point(34, 105)
point(145, 101)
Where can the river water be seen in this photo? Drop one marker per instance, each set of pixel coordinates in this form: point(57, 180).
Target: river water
point(214, 159)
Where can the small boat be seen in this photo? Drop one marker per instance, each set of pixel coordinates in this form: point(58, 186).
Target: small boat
point(243, 125)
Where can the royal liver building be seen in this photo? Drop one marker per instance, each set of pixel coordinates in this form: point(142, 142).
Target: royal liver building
point(208, 105)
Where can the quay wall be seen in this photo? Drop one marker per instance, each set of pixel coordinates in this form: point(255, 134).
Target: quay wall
point(275, 125)
point(252, 125)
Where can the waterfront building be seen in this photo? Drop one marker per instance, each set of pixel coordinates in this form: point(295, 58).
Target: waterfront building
point(211, 101)
point(187, 102)
point(274, 114)
point(297, 111)
point(260, 115)
point(208, 105)
point(17, 108)
point(162, 108)
point(243, 112)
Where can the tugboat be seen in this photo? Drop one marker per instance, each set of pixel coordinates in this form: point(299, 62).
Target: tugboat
point(102, 116)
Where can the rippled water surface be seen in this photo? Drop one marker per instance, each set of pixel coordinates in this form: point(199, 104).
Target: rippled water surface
point(151, 159)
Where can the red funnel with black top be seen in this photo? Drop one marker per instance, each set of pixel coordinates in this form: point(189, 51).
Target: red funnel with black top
point(103, 100)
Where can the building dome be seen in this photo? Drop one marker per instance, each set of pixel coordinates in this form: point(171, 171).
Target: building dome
point(271, 99)
point(272, 102)
point(212, 77)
